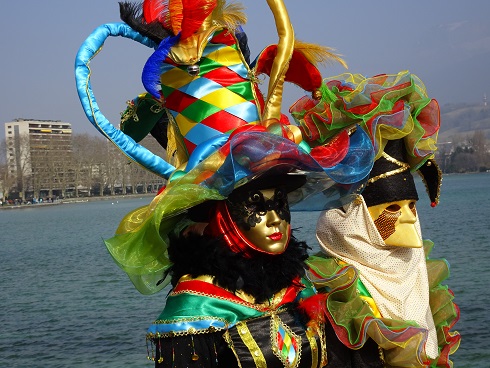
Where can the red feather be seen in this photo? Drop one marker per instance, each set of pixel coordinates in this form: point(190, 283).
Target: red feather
point(153, 10)
point(185, 16)
point(315, 307)
point(194, 13)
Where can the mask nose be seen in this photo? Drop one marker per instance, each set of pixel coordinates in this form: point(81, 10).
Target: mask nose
point(272, 218)
point(408, 213)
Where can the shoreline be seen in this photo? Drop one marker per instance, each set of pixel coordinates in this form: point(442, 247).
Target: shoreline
point(78, 200)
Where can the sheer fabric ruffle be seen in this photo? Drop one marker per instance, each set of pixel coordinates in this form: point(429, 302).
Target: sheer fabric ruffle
point(402, 342)
point(388, 107)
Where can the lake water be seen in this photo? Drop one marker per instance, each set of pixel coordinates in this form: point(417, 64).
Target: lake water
point(64, 303)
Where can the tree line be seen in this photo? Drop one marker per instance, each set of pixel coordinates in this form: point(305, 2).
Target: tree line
point(464, 154)
point(92, 166)
point(87, 166)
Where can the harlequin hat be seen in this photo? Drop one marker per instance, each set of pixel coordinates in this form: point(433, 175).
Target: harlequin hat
point(221, 133)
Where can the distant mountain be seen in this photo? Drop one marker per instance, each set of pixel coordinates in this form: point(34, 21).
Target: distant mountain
point(463, 120)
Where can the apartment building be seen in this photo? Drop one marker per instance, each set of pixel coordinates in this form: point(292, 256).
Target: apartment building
point(36, 152)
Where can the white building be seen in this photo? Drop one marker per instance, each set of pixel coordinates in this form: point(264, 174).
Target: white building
point(32, 145)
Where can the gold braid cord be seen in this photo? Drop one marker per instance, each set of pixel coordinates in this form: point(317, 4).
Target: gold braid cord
point(403, 167)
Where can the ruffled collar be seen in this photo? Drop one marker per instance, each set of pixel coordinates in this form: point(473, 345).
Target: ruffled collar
point(395, 277)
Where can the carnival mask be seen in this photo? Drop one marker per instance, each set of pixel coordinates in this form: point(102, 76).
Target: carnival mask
point(395, 222)
point(263, 219)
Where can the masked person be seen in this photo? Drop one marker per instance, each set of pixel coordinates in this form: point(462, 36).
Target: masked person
point(237, 287)
point(379, 236)
point(220, 230)
point(240, 294)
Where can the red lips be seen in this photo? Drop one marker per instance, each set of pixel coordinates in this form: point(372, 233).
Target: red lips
point(275, 236)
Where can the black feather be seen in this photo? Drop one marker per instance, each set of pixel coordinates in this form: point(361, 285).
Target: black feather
point(132, 15)
point(260, 276)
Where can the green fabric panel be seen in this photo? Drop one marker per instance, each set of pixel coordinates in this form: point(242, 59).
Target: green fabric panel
point(186, 306)
point(199, 110)
point(242, 89)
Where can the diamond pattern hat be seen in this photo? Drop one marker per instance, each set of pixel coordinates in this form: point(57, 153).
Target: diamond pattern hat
point(220, 131)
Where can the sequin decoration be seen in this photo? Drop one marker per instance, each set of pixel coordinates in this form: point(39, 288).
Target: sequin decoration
point(385, 223)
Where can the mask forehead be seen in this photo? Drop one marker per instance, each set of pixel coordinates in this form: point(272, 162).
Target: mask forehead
point(247, 208)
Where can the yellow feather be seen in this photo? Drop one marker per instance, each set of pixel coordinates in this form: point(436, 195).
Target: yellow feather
point(229, 15)
point(317, 54)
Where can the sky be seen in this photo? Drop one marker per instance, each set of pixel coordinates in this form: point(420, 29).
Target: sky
point(446, 43)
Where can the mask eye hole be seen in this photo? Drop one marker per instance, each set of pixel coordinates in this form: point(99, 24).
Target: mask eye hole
point(393, 208)
point(411, 205)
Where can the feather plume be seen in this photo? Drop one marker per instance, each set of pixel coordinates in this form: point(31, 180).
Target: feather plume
point(151, 70)
point(317, 54)
point(194, 13)
point(132, 15)
point(153, 10)
point(315, 307)
point(230, 16)
point(175, 15)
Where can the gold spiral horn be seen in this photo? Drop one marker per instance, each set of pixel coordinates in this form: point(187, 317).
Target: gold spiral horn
point(285, 48)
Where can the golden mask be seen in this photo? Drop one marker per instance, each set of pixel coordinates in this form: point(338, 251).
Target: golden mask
point(263, 218)
point(395, 222)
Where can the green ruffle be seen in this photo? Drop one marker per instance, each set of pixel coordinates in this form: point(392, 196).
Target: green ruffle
point(141, 241)
point(402, 342)
point(388, 107)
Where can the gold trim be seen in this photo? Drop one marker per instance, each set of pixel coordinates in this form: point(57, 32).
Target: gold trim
point(323, 344)
point(247, 300)
point(431, 162)
point(229, 341)
point(188, 332)
point(272, 303)
point(310, 335)
point(403, 167)
point(381, 354)
point(251, 344)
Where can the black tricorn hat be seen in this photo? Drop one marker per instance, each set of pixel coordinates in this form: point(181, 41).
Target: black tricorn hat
point(391, 180)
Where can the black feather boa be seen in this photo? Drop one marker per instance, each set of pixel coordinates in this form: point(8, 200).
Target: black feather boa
point(261, 276)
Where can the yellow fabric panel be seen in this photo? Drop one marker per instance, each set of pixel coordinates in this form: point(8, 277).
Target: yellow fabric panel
point(223, 98)
point(176, 78)
point(225, 56)
point(185, 124)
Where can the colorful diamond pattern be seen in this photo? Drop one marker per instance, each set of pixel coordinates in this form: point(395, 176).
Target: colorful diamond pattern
point(217, 100)
point(287, 344)
point(225, 77)
point(223, 121)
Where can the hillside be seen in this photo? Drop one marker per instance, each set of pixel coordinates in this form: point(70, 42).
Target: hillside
point(463, 120)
